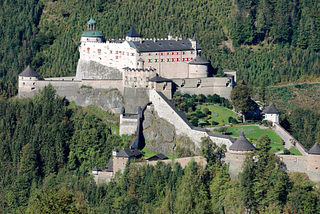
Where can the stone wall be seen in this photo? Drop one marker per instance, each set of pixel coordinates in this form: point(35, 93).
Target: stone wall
point(167, 111)
point(183, 161)
point(128, 124)
point(221, 86)
point(289, 138)
point(134, 97)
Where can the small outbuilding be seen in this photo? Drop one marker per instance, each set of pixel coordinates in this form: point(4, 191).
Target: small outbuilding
point(242, 144)
point(271, 113)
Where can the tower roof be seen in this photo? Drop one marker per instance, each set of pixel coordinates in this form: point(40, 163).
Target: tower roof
point(91, 21)
point(133, 33)
point(198, 60)
point(170, 34)
point(271, 109)
point(242, 144)
point(129, 152)
point(29, 72)
point(315, 149)
point(96, 169)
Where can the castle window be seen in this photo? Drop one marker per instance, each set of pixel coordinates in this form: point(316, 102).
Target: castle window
point(116, 57)
point(34, 83)
point(161, 54)
point(150, 54)
point(162, 60)
point(156, 60)
point(168, 60)
point(172, 53)
point(149, 60)
point(190, 59)
point(184, 53)
point(178, 59)
point(139, 54)
point(132, 54)
point(33, 88)
point(24, 83)
point(116, 52)
point(192, 52)
point(177, 53)
point(172, 60)
point(110, 52)
point(168, 53)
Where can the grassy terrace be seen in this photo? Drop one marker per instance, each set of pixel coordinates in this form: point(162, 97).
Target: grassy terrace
point(149, 154)
point(253, 133)
point(219, 114)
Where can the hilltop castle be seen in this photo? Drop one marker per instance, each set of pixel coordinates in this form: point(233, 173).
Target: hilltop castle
point(118, 74)
point(135, 65)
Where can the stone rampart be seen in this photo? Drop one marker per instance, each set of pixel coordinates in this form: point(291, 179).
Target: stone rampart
point(167, 111)
point(182, 161)
point(134, 78)
point(221, 86)
point(289, 138)
point(128, 124)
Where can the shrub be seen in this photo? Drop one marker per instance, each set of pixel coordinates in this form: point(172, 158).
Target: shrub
point(286, 151)
point(214, 123)
point(206, 111)
point(194, 121)
point(222, 130)
point(200, 114)
point(232, 120)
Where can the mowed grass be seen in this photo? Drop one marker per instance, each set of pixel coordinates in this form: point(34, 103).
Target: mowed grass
point(276, 147)
point(255, 134)
point(147, 153)
point(294, 151)
point(223, 113)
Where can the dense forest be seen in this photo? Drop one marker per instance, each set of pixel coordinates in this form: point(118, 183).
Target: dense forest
point(47, 148)
point(267, 42)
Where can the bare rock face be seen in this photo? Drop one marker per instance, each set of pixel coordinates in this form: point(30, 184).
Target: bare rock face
point(110, 100)
point(161, 135)
point(94, 70)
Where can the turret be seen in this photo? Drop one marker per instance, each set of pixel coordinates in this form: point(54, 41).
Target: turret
point(28, 82)
point(313, 158)
point(95, 170)
point(115, 152)
point(91, 34)
point(132, 35)
point(241, 145)
point(198, 67)
point(169, 36)
point(271, 113)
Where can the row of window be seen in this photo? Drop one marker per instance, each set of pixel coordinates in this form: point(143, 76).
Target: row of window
point(141, 54)
point(170, 60)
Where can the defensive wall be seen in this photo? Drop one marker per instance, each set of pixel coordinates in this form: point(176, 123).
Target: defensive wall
point(207, 86)
point(166, 110)
point(288, 138)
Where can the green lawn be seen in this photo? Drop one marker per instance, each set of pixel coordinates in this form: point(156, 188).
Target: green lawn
point(149, 154)
point(223, 113)
point(274, 147)
point(294, 151)
point(256, 134)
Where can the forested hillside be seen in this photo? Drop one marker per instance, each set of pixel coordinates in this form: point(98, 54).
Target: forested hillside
point(273, 41)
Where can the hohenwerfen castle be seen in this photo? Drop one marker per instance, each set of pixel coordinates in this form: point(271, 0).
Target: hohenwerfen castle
point(119, 75)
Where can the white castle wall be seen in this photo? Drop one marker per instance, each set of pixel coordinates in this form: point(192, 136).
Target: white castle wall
point(113, 54)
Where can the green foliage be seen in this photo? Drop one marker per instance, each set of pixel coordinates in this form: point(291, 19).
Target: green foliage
point(241, 99)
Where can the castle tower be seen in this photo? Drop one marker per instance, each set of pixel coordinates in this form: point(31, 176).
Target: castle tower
point(91, 34)
point(237, 154)
point(28, 83)
point(169, 36)
point(313, 157)
point(198, 67)
point(132, 35)
point(194, 45)
point(140, 63)
point(271, 113)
